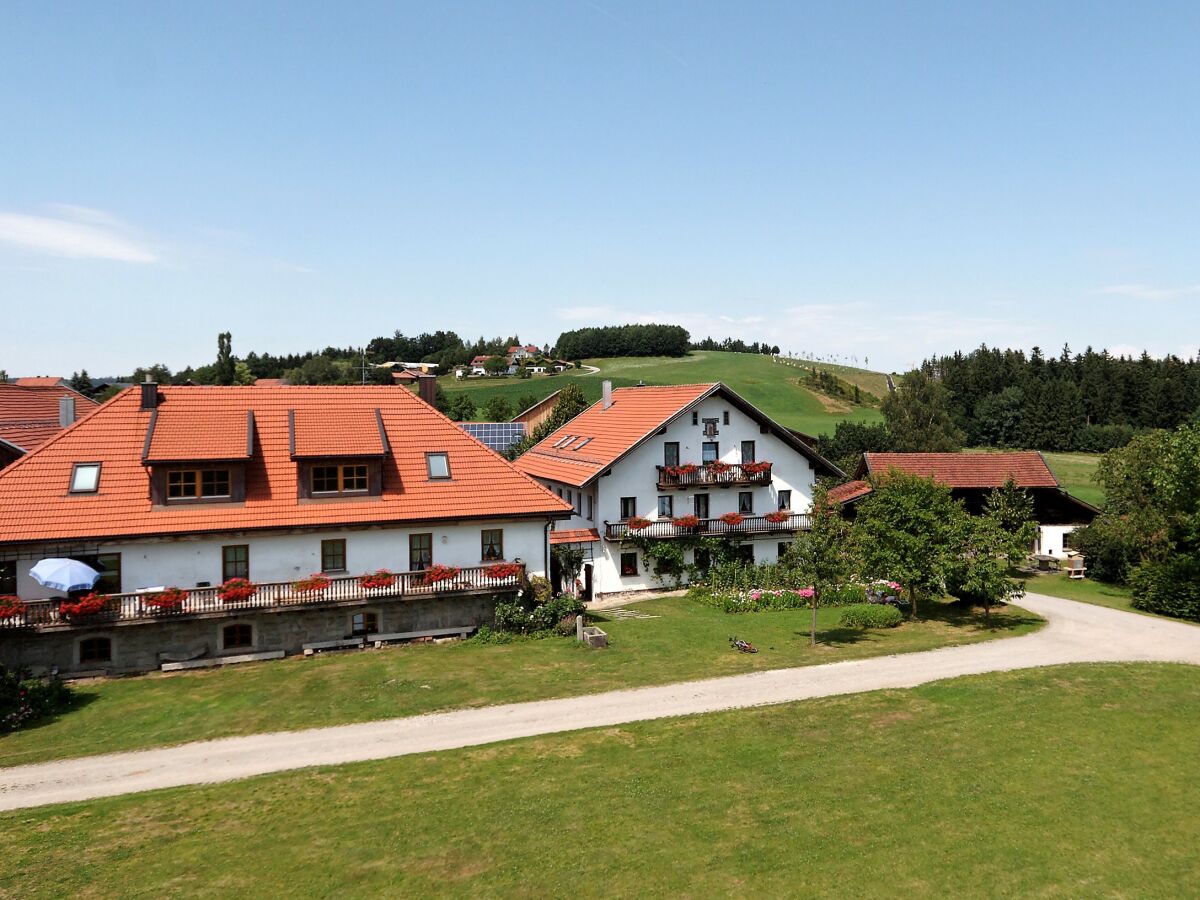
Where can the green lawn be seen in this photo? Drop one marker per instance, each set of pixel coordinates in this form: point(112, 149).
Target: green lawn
point(1065, 782)
point(768, 385)
point(686, 641)
point(1074, 472)
point(1085, 590)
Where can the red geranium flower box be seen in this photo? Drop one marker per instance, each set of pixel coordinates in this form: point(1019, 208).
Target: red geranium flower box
point(380, 578)
point(171, 598)
point(637, 523)
point(11, 606)
point(315, 583)
point(732, 518)
point(756, 468)
point(87, 605)
point(502, 570)
point(680, 470)
point(686, 521)
point(435, 574)
point(236, 590)
point(778, 517)
point(717, 467)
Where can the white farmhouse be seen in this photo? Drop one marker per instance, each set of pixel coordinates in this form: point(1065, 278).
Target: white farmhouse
point(673, 463)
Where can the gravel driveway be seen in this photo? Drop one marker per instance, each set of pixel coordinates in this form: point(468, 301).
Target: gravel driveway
point(1076, 632)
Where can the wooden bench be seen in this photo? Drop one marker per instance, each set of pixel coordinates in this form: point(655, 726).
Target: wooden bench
point(344, 644)
point(221, 661)
point(382, 638)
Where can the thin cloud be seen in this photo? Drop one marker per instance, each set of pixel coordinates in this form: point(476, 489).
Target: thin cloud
point(1149, 292)
point(76, 233)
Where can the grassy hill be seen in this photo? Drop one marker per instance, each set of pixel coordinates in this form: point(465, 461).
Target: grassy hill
point(773, 387)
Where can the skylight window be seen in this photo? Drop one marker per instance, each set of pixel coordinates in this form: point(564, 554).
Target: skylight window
point(85, 478)
point(581, 443)
point(438, 465)
point(563, 441)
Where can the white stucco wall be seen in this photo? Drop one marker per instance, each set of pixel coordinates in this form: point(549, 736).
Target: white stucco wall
point(1050, 539)
point(637, 476)
point(185, 562)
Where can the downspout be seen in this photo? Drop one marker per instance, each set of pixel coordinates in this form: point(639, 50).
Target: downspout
point(546, 548)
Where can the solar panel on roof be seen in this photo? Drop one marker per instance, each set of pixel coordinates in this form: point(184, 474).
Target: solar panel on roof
point(498, 436)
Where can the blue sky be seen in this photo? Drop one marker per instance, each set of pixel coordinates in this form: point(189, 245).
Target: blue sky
point(869, 180)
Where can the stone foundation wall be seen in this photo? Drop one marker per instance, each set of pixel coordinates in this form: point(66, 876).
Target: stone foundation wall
point(136, 646)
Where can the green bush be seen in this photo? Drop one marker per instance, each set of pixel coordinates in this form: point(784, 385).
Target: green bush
point(1171, 588)
point(24, 699)
point(514, 618)
point(1112, 546)
point(870, 615)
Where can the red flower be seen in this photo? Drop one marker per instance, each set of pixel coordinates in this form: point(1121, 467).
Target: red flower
point(380, 578)
point(313, 584)
point(171, 598)
point(732, 518)
point(87, 605)
point(11, 606)
point(688, 521)
point(778, 517)
point(756, 468)
point(236, 589)
point(637, 523)
point(677, 471)
point(717, 467)
point(502, 570)
point(434, 574)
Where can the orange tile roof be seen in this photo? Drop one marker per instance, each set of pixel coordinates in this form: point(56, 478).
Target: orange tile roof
point(333, 431)
point(199, 432)
point(39, 381)
point(636, 413)
point(35, 504)
point(575, 536)
point(966, 470)
point(29, 414)
point(852, 490)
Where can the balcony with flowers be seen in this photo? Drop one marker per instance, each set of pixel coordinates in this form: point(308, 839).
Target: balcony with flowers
point(714, 474)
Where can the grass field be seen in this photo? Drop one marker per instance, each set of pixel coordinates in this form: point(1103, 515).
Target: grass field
point(686, 641)
point(768, 385)
point(1075, 472)
point(1061, 782)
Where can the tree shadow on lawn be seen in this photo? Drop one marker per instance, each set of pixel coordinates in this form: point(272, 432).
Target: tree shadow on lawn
point(962, 614)
point(78, 701)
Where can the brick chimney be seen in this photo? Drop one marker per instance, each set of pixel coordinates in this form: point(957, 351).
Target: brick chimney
point(427, 388)
point(66, 411)
point(606, 395)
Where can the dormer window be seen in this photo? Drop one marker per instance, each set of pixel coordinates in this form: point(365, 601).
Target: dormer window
point(85, 478)
point(198, 484)
point(339, 479)
point(438, 465)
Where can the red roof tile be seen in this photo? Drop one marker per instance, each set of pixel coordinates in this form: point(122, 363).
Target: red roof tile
point(575, 536)
point(29, 414)
point(324, 431)
point(35, 504)
point(966, 470)
point(39, 381)
point(852, 490)
point(199, 432)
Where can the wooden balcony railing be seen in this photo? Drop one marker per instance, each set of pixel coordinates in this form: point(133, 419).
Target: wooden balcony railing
point(665, 528)
point(267, 595)
point(725, 475)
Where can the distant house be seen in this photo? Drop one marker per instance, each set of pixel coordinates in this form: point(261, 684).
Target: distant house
point(30, 415)
point(406, 377)
point(478, 365)
point(971, 476)
point(644, 459)
point(529, 351)
point(271, 382)
point(40, 381)
point(194, 487)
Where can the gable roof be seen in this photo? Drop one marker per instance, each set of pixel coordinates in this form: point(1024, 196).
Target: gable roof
point(36, 506)
point(29, 414)
point(851, 490)
point(603, 436)
point(965, 470)
point(40, 381)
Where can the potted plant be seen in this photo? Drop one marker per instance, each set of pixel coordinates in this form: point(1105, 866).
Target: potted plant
point(717, 467)
point(732, 518)
point(680, 470)
point(687, 522)
point(756, 468)
point(778, 517)
point(166, 600)
point(380, 578)
point(637, 523)
point(315, 583)
point(236, 590)
point(502, 570)
point(435, 574)
point(83, 607)
point(11, 606)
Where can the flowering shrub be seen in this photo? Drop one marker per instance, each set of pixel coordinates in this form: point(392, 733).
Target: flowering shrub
point(756, 468)
point(236, 589)
point(732, 518)
point(315, 583)
point(678, 471)
point(688, 521)
point(502, 570)
point(717, 467)
point(637, 523)
point(11, 606)
point(171, 598)
point(23, 699)
point(380, 578)
point(87, 605)
point(778, 517)
point(434, 574)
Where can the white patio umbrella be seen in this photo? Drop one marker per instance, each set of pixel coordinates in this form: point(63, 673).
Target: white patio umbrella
point(64, 575)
